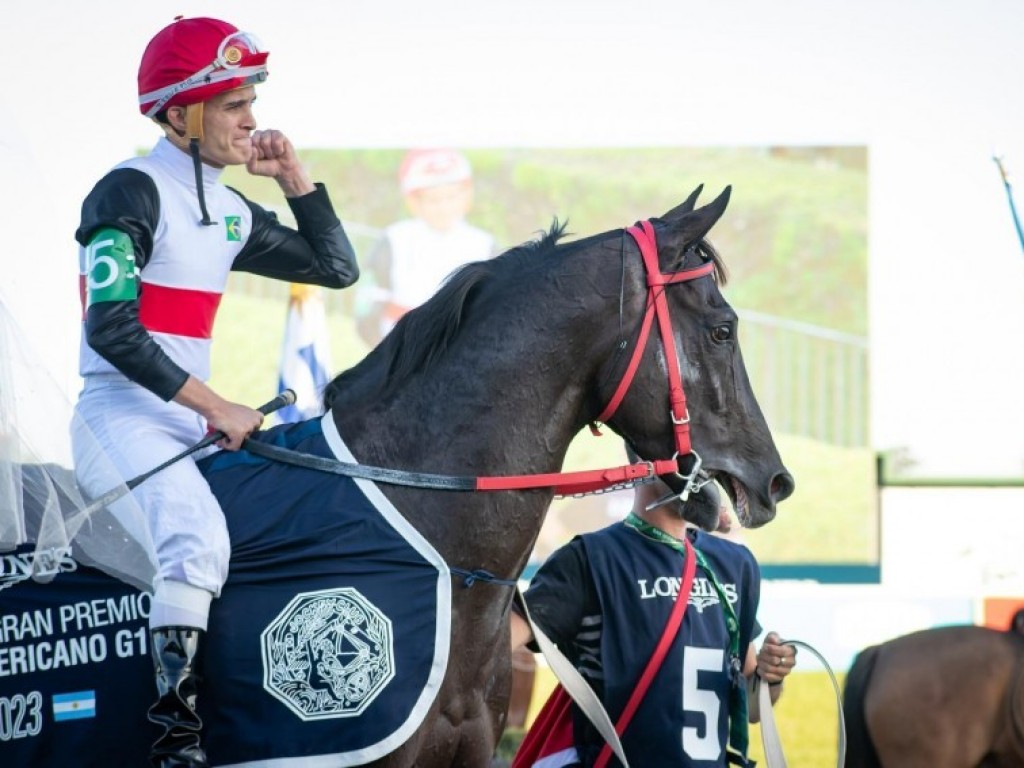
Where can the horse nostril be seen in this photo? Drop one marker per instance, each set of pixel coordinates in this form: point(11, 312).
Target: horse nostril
point(781, 487)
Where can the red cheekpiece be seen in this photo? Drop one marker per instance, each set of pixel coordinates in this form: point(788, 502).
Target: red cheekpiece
point(192, 60)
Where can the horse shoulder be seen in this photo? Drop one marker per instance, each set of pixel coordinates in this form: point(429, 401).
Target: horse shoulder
point(935, 697)
point(1010, 743)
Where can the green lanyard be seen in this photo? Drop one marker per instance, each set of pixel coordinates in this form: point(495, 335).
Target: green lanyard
point(732, 623)
point(738, 716)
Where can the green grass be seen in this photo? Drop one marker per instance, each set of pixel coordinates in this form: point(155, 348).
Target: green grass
point(794, 236)
point(831, 518)
point(807, 719)
point(833, 515)
point(247, 345)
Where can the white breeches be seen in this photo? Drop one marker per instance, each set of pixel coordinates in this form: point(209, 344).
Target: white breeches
point(136, 431)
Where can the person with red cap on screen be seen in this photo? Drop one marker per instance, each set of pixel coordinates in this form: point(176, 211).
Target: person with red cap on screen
point(415, 255)
point(159, 235)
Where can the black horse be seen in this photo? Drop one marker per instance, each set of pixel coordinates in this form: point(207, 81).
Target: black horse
point(497, 374)
point(493, 376)
point(948, 697)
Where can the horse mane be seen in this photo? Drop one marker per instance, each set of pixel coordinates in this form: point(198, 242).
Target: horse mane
point(423, 335)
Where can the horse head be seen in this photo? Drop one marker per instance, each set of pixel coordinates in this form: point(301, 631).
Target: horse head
point(728, 432)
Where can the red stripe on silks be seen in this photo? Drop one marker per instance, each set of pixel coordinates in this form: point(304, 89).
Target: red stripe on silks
point(178, 311)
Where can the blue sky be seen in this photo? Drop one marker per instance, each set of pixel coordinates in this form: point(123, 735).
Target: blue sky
point(932, 88)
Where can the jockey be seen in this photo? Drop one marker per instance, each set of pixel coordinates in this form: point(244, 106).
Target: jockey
point(416, 254)
point(159, 235)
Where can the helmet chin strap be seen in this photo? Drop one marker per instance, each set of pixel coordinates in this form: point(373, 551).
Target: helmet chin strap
point(194, 131)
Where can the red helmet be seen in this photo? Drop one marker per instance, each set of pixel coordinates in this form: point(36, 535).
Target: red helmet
point(192, 60)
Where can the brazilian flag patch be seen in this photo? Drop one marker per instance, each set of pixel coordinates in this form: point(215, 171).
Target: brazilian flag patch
point(233, 228)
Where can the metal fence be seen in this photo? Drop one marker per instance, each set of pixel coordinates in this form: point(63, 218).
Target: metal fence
point(810, 381)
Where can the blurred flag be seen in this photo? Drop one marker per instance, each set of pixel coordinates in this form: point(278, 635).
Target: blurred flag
point(305, 356)
point(1009, 196)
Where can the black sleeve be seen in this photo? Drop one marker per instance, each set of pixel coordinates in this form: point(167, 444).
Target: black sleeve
point(127, 200)
point(318, 253)
point(561, 594)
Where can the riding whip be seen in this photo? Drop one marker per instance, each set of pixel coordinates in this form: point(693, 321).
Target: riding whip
point(1009, 196)
point(287, 397)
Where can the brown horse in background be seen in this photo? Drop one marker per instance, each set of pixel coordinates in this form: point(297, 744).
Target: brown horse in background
point(947, 697)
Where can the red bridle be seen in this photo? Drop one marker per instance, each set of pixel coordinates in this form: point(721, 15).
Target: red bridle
point(657, 306)
point(567, 483)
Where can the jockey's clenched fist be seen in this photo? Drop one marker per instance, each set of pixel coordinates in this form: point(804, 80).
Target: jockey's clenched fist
point(274, 156)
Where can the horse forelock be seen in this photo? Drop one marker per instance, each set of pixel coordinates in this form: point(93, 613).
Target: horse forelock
point(424, 334)
point(707, 252)
point(699, 253)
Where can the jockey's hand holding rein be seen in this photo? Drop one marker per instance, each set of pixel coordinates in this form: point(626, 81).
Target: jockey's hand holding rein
point(235, 420)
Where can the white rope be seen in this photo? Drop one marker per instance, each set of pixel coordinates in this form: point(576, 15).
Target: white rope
point(577, 688)
point(773, 755)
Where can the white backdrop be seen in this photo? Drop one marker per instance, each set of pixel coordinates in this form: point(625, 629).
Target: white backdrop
point(932, 87)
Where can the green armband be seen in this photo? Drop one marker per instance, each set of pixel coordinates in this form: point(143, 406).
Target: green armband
point(110, 265)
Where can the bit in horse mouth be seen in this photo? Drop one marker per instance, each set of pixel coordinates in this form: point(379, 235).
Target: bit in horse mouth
point(740, 501)
point(737, 493)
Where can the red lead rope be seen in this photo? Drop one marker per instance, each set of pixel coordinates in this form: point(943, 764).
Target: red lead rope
point(587, 481)
point(568, 483)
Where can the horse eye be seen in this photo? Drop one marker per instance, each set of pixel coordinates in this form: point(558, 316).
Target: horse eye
point(721, 333)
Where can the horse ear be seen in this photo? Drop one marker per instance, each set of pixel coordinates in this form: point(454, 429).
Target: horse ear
point(695, 225)
point(685, 207)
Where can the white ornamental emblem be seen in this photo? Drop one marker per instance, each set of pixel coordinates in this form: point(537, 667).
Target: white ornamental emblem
point(328, 654)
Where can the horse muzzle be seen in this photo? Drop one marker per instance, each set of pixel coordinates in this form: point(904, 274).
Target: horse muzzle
point(754, 509)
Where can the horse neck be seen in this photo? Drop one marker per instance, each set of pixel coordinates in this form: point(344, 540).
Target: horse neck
point(511, 392)
point(506, 398)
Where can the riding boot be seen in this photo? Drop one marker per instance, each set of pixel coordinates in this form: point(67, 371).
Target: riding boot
point(174, 658)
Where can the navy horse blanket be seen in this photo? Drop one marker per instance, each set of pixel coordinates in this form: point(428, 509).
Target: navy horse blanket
point(327, 646)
